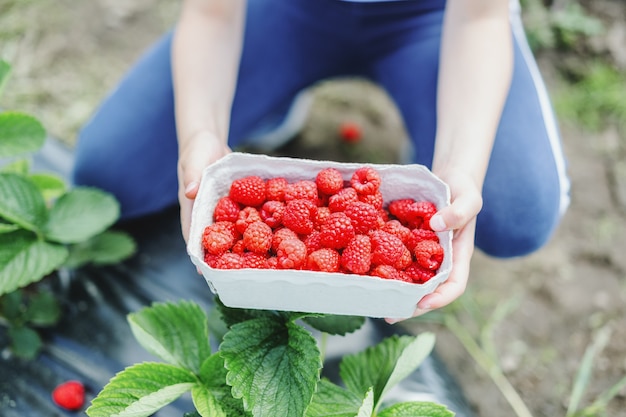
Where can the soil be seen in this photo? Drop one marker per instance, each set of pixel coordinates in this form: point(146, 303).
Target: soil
point(564, 295)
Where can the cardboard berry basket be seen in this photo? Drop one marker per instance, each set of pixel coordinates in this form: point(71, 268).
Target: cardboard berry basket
point(308, 291)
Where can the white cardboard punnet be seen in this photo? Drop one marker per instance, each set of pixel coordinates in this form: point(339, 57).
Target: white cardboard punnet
point(307, 291)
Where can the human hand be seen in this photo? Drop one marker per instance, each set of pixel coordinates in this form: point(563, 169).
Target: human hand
point(460, 217)
point(199, 151)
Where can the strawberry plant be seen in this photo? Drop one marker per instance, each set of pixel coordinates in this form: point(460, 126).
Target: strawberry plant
point(44, 226)
point(267, 364)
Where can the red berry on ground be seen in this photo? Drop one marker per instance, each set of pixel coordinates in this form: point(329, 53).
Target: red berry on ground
point(249, 191)
point(429, 254)
point(350, 132)
point(69, 395)
point(365, 180)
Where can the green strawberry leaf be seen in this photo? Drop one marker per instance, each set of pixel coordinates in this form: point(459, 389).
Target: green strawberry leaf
point(11, 306)
point(176, 333)
point(384, 365)
point(273, 365)
point(43, 309)
point(25, 342)
point(81, 214)
point(205, 402)
point(336, 325)
point(108, 247)
point(19, 166)
point(141, 390)
point(50, 186)
point(213, 378)
point(331, 400)
point(231, 316)
point(20, 134)
point(25, 259)
point(5, 71)
point(416, 409)
point(7, 227)
point(367, 408)
point(21, 202)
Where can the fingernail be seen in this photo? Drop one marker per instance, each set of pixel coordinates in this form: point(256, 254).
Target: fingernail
point(437, 223)
point(191, 187)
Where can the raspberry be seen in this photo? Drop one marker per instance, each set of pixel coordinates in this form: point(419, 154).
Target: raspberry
point(280, 235)
point(218, 237)
point(404, 260)
point(418, 273)
point(350, 132)
point(254, 260)
point(419, 214)
point(336, 231)
point(272, 213)
point(386, 248)
point(210, 259)
point(320, 216)
point(428, 254)
point(399, 209)
point(291, 254)
point(69, 395)
point(299, 215)
point(417, 235)
point(356, 257)
point(258, 238)
point(226, 210)
point(329, 181)
point(325, 260)
point(230, 261)
point(272, 262)
point(339, 201)
point(375, 199)
point(313, 242)
point(301, 190)
point(386, 272)
point(365, 180)
point(247, 216)
point(364, 216)
point(239, 247)
point(249, 191)
point(275, 188)
point(396, 228)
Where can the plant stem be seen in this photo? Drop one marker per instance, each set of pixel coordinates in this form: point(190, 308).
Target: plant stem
point(483, 360)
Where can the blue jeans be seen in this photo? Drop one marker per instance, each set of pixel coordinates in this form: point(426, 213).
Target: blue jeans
point(129, 146)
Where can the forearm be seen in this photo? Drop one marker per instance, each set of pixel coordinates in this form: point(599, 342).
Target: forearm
point(474, 77)
point(205, 60)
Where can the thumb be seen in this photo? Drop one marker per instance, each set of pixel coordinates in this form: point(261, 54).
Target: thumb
point(463, 209)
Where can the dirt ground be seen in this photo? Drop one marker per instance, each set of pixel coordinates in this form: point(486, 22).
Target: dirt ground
point(67, 55)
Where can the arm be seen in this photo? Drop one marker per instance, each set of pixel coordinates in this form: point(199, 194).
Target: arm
point(205, 62)
point(476, 64)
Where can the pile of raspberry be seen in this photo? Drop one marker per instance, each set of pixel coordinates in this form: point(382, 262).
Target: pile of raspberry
point(328, 224)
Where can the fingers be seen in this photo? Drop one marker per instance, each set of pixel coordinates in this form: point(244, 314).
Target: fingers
point(196, 154)
point(454, 286)
point(464, 207)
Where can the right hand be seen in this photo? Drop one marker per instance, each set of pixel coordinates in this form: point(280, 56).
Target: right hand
point(198, 151)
